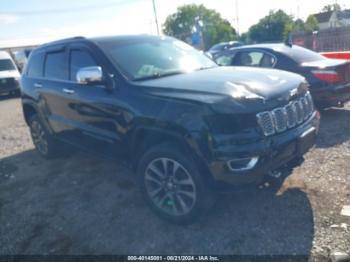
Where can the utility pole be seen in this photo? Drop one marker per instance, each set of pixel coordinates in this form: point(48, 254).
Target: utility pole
point(298, 9)
point(237, 16)
point(155, 16)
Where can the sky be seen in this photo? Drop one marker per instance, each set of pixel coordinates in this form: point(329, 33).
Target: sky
point(38, 21)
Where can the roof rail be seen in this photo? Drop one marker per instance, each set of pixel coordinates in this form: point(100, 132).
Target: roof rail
point(62, 40)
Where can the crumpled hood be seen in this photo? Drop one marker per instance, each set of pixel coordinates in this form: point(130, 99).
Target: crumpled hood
point(9, 74)
point(235, 82)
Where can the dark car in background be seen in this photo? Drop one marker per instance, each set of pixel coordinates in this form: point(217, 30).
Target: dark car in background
point(185, 125)
point(329, 79)
point(223, 47)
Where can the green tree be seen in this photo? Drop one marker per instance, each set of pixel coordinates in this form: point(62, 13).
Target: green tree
point(272, 28)
point(215, 29)
point(332, 7)
point(244, 38)
point(299, 25)
point(311, 24)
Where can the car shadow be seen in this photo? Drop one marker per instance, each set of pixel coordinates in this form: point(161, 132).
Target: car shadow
point(87, 205)
point(332, 122)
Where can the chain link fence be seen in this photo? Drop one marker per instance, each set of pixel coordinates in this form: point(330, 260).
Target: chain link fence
point(329, 40)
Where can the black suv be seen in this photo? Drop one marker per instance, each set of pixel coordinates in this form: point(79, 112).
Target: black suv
point(187, 126)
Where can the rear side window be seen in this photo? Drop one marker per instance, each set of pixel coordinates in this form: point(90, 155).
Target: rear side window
point(56, 66)
point(255, 58)
point(78, 60)
point(35, 65)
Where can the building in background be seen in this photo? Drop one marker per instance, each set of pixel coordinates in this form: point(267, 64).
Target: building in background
point(333, 19)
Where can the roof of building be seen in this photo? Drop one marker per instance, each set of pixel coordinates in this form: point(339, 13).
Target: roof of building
point(323, 17)
point(345, 14)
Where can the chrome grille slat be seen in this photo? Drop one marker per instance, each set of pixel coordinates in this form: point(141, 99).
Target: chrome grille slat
point(280, 119)
point(299, 111)
point(283, 118)
point(265, 120)
point(291, 116)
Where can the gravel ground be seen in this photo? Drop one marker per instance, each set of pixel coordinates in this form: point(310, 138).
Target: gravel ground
point(86, 205)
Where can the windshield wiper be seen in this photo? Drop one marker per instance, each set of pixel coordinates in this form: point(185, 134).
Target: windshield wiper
point(205, 68)
point(158, 75)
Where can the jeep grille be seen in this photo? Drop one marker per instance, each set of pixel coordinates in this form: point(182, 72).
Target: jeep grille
point(282, 118)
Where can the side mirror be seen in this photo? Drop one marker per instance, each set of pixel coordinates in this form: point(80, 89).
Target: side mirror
point(89, 75)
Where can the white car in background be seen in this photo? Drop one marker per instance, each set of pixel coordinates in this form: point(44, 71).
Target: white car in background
point(9, 75)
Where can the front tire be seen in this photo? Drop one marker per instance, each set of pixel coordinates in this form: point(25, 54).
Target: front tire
point(44, 143)
point(172, 185)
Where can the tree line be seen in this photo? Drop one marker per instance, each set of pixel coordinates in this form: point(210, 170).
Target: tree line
point(275, 27)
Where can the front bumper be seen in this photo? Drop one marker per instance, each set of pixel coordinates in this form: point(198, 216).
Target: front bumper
point(332, 95)
point(273, 152)
point(8, 85)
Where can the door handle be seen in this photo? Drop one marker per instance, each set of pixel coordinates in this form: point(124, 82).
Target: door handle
point(38, 85)
point(68, 91)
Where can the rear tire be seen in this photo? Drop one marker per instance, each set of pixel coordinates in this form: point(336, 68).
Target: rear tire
point(44, 143)
point(172, 186)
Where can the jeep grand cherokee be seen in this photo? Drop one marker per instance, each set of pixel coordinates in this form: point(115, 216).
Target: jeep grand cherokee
point(186, 125)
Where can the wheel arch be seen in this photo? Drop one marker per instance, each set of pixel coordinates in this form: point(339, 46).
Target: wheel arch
point(29, 110)
point(144, 138)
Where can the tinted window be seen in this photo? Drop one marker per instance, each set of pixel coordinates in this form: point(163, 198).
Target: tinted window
point(35, 66)
point(56, 66)
point(6, 64)
point(78, 60)
point(255, 58)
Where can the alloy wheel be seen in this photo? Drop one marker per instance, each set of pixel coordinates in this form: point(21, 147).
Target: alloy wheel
point(170, 186)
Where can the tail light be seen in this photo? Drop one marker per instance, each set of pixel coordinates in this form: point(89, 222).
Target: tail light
point(328, 76)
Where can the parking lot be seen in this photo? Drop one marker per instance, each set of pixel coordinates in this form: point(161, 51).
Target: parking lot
point(80, 204)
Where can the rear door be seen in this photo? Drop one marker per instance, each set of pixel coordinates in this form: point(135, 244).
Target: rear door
point(55, 102)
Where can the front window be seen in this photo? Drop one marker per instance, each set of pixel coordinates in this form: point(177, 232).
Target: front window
point(6, 65)
point(56, 66)
point(155, 57)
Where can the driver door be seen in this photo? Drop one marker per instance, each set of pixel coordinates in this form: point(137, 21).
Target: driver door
point(92, 106)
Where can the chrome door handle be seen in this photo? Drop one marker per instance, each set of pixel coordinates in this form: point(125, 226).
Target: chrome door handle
point(38, 85)
point(68, 91)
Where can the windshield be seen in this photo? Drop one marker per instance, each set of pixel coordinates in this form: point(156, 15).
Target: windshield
point(303, 55)
point(6, 65)
point(155, 57)
point(218, 47)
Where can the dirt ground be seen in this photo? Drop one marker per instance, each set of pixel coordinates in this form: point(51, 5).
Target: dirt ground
point(86, 205)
